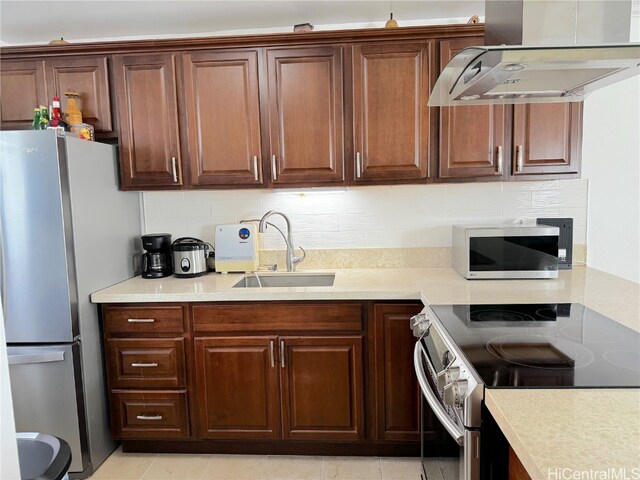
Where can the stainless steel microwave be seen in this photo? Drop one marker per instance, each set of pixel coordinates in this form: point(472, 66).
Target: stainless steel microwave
point(505, 252)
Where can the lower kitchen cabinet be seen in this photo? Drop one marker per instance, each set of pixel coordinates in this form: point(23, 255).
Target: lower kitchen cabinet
point(276, 377)
point(316, 382)
point(322, 387)
point(146, 353)
point(397, 411)
point(145, 414)
point(237, 393)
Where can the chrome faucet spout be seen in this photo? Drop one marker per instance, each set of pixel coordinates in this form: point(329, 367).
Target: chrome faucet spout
point(292, 260)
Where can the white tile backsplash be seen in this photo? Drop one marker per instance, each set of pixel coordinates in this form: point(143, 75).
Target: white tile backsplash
point(399, 216)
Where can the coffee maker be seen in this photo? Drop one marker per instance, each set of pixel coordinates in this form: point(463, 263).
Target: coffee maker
point(157, 261)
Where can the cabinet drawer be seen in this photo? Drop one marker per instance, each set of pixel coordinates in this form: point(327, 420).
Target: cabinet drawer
point(149, 414)
point(277, 317)
point(152, 362)
point(149, 320)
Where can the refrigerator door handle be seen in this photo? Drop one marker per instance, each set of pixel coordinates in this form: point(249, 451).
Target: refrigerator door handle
point(36, 358)
point(3, 280)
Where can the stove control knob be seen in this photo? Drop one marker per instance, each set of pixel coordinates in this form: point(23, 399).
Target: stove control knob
point(447, 376)
point(419, 324)
point(454, 393)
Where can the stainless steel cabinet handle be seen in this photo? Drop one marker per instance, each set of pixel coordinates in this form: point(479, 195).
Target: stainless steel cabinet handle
point(519, 158)
point(256, 174)
point(145, 365)
point(282, 353)
point(274, 167)
point(358, 165)
point(149, 417)
point(500, 159)
point(173, 167)
point(273, 358)
point(25, 359)
point(141, 320)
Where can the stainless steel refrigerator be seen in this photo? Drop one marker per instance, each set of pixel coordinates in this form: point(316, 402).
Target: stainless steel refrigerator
point(65, 232)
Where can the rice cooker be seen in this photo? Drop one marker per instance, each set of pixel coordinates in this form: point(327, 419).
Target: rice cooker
point(189, 257)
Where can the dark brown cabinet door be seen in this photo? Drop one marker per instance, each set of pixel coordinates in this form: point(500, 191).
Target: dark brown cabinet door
point(305, 104)
point(223, 117)
point(547, 138)
point(322, 387)
point(89, 77)
point(22, 88)
point(237, 393)
point(396, 387)
point(473, 139)
point(148, 120)
point(391, 85)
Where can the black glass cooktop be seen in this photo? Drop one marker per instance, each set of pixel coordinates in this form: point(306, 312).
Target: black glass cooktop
point(544, 345)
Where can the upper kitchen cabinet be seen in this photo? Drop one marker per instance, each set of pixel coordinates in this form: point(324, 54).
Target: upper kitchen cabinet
point(27, 84)
point(547, 139)
point(22, 87)
point(89, 77)
point(223, 117)
point(148, 121)
point(391, 120)
point(473, 139)
point(305, 115)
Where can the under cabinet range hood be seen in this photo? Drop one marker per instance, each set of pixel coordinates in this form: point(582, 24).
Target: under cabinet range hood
point(544, 52)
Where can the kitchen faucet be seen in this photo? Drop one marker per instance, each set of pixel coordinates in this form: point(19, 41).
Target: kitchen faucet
point(292, 260)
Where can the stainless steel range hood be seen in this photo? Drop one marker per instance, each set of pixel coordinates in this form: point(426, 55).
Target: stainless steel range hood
point(548, 52)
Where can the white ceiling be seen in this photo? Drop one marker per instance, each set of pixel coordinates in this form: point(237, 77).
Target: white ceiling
point(24, 21)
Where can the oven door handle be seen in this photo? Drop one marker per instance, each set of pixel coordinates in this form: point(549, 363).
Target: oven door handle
point(454, 430)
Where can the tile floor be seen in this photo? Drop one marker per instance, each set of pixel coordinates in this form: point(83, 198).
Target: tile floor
point(139, 466)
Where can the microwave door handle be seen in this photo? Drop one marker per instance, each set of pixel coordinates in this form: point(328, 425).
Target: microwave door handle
point(454, 430)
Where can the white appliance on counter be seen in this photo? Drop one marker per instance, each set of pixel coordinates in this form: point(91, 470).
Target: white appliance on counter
point(482, 252)
point(65, 232)
point(236, 248)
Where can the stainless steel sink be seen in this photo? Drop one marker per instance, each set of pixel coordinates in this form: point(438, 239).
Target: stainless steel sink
point(286, 280)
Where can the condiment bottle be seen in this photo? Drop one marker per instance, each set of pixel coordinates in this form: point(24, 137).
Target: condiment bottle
point(36, 118)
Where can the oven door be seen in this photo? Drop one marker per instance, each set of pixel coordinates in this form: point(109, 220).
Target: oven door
point(427, 370)
point(431, 357)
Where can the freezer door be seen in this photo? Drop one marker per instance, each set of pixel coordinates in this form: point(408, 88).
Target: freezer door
point(43, 387)
point(35, 232)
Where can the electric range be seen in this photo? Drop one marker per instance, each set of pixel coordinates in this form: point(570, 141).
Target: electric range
point(463, 349)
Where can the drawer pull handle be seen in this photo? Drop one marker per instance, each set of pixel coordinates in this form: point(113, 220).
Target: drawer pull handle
point(148, 365)
point(358, 165)
point(282, 364)
point(149, 417)
point(141, 320)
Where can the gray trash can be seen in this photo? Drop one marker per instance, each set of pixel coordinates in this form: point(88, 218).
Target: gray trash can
point(43, 456)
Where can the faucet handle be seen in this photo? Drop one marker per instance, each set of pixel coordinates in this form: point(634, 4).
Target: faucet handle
point(300, 259)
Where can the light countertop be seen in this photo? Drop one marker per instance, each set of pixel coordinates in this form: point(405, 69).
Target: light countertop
point(576, 429)
point(610, 295)
point(557, 433)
